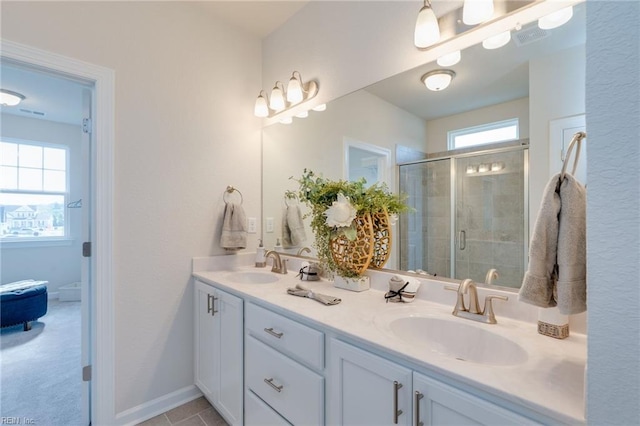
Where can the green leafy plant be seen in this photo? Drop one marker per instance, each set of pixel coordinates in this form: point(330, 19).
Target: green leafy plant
point(322, 195)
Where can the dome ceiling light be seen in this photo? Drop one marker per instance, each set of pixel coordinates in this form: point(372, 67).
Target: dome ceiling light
point(438, 80)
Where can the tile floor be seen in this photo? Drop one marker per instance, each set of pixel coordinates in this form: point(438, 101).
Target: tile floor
point(195, 413)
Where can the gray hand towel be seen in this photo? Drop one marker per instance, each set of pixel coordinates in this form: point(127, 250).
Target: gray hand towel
point(557, 254)
point(234, 227)
point(293, 233)
point(303, 291)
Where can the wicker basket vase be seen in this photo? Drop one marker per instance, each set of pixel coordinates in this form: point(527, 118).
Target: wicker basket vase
point(356, 255)
point(382, 238)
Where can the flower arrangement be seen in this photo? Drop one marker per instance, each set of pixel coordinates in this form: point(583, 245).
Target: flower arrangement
point(335, 208)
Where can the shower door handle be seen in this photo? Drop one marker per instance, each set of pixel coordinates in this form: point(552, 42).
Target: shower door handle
point(462, 240)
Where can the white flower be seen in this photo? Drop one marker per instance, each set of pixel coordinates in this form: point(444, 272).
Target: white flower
point(341, 213)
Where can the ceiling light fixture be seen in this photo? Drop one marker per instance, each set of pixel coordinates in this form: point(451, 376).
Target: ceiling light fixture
point(10, 98)
point(427, 29)
point(449, 59)
point(555, 19)
point(497, 41)
point(438, 80)
point(281, 100)
point(477, 11)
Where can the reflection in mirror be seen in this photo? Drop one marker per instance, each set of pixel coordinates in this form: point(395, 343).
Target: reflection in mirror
point(537, 78)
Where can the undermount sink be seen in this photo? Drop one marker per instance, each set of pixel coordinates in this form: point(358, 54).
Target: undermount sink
point(247, 277)
point(465, 342)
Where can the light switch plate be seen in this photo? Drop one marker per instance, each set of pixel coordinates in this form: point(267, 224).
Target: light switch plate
point(252, 225)
point(269, 224)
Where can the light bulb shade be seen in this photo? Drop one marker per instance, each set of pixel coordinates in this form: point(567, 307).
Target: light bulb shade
point(477, 11)
point(449, 59)
point(286, 120)
point(497, 41)
point(438, 79)
point(555, 19)
point(294, 90)
point(427, 28)
point(276, 102)
point(9, 98)
point(320, 108)
point(261, 109)
point(302, 114)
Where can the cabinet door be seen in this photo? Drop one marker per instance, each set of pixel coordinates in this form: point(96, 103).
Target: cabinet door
point(365, 389)
point(204, 339)
point(439, 404)
point(219, 350)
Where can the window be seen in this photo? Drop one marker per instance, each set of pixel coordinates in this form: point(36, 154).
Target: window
point(500, 131)
point(33, 190)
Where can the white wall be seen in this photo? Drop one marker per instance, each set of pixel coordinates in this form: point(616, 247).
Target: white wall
point(184, 130)
point(351, 53)
point(60, 264)
point(613, 212)
point(437, 129)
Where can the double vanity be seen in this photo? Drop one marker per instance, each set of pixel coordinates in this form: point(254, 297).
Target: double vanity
point(266, 357)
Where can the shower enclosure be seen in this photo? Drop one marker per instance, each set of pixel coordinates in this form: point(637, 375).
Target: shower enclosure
point(470, 214)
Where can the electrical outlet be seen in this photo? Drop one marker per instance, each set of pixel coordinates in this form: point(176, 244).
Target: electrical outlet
point(252, 225)
point(269, 224)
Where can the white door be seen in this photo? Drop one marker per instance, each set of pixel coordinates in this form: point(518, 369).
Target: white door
point(365, 389)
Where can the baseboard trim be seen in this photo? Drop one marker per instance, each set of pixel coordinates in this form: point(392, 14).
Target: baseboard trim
point(155, 407)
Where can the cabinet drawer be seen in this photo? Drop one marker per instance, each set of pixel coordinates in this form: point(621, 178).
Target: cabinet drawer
point(257, 413)
point(287, 336)
point(294, 391)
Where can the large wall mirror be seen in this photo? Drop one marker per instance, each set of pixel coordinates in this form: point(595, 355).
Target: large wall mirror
point(481, 199)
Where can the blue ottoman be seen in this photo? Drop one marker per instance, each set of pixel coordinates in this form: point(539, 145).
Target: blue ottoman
point(22, 305)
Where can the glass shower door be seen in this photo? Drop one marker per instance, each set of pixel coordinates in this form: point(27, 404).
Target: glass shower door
point(490, 217)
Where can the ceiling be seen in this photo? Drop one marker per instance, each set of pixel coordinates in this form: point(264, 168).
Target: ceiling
point(483, 77)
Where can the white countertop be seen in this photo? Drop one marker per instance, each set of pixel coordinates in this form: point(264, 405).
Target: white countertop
point(550, 381)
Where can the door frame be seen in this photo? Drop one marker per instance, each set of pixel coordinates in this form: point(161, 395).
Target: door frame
point(102, 344)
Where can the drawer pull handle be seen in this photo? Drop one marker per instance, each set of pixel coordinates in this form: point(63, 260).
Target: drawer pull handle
point(273, 333)
point(418, 396)
point(276, 387)
point(396, 413)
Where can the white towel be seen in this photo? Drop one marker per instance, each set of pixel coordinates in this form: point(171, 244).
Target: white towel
point(557, 254)
point(234, 227)
point(293, 233)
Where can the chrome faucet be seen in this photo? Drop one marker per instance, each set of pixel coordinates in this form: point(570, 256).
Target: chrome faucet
point(492, 274)
point(473, 311)
point(279, 265)
point(303, 250)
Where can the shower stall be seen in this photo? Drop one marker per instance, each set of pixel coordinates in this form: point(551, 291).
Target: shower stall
point(470, 214)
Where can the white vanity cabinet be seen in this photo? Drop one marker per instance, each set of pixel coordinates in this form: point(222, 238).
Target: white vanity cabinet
point(436, 403)
point(219, 350)
point(284, 362)
point(365, 389)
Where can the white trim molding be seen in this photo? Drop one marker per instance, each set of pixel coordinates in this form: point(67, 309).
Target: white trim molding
point(155, 407)
point(103, 336)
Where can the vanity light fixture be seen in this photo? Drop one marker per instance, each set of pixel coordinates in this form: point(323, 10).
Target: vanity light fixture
point(282, 100)
point(497, 166)
point(483, 168)
point(427, 30)
point(449, 59)
point(438, 80)
point(277, 97)
point(10, 98)
point(556, 19)
point(497, 41)
point(472, 169)
point(477, 11)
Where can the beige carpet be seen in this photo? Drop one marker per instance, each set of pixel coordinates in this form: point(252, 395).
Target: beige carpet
point(40, 371)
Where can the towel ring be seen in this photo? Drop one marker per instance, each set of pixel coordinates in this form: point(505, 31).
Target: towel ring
point(577, 139)
point(231, 190)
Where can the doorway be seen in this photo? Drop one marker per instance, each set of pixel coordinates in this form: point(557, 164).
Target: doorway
point(45, 195)
point(100, 369)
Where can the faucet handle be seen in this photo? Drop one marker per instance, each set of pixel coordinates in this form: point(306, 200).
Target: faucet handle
point(284, 266)
point(488, 307)
point(460, 300)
